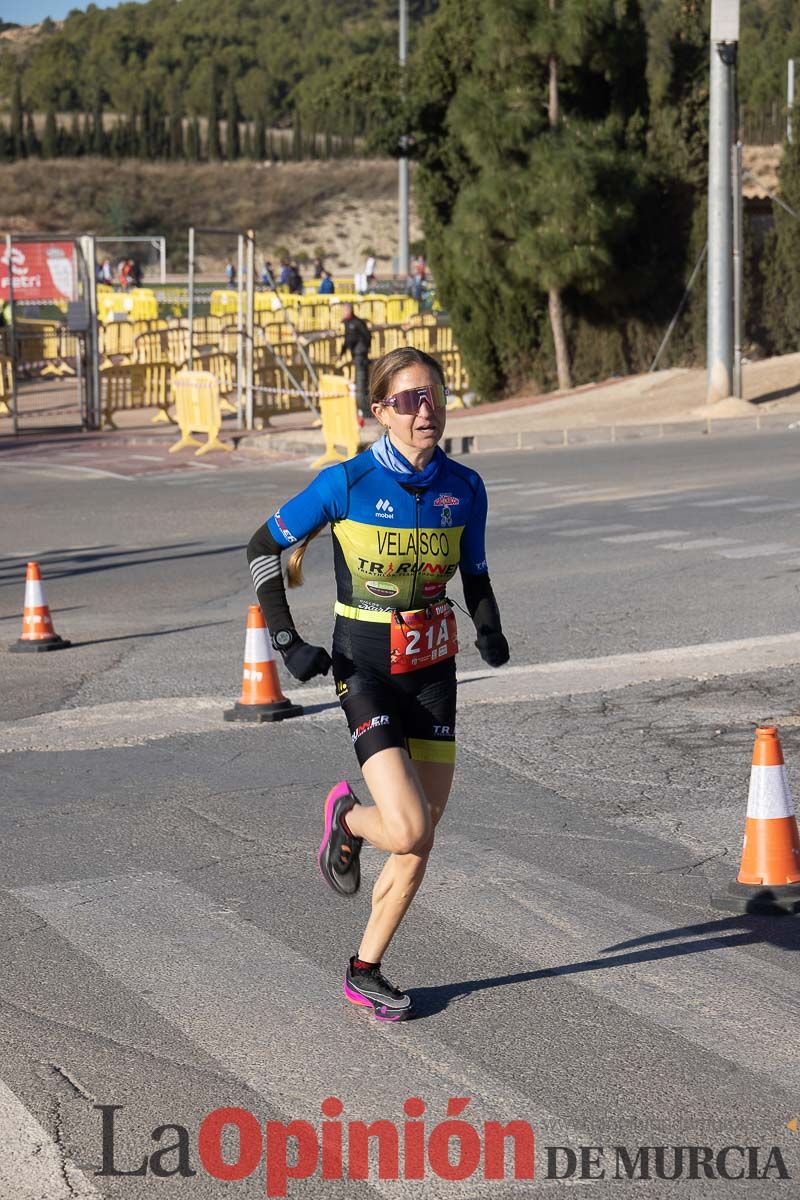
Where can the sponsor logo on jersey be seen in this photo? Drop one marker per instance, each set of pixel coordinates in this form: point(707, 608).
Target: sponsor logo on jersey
point(481, 566)
point(382, 589)
point(446, 500)
point(432, 589)
point(400, 543)
point(447, 516)
point(384, 510)
point(279, 522)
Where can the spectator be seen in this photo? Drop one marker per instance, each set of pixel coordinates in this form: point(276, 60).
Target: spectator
point(230, 274)
point(295, 280)
point(318, 269)
point(125, 274)
point(369, 270)
point(135, 272)
point(267, 275)
point(107, 272)
point(326, 287)
point(284, 279)
point(357, 338)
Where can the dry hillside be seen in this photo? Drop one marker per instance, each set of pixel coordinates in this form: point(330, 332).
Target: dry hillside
point(343, 206)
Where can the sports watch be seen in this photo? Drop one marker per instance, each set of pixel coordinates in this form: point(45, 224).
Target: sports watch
point(283, 639)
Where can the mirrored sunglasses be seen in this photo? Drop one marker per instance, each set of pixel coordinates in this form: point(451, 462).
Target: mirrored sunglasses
point(411, 400)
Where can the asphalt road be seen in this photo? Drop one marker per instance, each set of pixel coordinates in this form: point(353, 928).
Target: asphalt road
point(166, 944)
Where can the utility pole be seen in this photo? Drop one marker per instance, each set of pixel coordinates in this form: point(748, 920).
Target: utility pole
point(402, 163)
point(719, 354)
point(789, 98)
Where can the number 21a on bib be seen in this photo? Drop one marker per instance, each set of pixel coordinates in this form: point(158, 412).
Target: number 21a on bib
point(420, 639)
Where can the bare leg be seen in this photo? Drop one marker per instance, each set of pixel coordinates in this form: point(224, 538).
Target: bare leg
point(410, 799)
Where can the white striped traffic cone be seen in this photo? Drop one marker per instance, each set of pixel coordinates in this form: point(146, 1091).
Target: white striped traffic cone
point(38, 633)
point(769, 876)
point(261, 698)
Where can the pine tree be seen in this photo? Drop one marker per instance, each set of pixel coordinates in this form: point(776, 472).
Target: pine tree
point(50, 139)
point(233, 147)
point(17, 120)
point(213, 150)
point(176, 147)
point(527, 119)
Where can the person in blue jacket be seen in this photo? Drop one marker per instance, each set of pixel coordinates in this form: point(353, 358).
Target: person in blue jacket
point(404, 518)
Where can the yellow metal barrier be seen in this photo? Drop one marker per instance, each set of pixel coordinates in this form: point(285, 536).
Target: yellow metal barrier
point(337, 406)
point(138, 304)
point(197, 409)
point(116, 339)
point(126, 386)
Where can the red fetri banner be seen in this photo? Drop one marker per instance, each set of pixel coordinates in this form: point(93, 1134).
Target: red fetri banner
point(42, 271)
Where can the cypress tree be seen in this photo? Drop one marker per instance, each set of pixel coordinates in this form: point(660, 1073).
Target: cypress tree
point(233, 147)
point(17, 120)
point(193, 140)
point(213, 150)
point(74, 144)
point(86, 134)
point(98, 133)
point(176, 147)
point(50, 139)
point(5, 142)
point(33, 147)
point(248, 145)
point(260, 138)
point(782, 265)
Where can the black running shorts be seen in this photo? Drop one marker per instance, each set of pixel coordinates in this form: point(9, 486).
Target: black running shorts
point(415, 711)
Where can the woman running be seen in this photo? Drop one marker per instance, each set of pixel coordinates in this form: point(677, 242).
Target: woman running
point(404, 518)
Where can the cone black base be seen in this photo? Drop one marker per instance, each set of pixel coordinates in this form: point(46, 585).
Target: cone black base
point(760, 899)
point(281, 710)
point(25, 647)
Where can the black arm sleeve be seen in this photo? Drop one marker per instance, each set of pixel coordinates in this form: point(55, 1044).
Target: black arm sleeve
point(481, 604)
point(264, 557)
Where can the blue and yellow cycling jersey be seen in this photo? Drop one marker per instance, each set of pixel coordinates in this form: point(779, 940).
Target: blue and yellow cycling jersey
point(396, 544)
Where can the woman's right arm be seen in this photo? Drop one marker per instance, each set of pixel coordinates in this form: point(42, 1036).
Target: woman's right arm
point(304, 514)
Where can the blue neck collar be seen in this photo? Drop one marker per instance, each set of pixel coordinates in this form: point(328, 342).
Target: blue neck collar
point(390, 457)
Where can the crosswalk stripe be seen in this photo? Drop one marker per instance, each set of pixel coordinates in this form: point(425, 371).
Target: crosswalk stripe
point(650, 535)
point(783, 506)
point(730, 500)
point(707, 543)
point(591, 530)
point(764, 550)
point(256, 1005)
point(32, 1165)
point(708, 998)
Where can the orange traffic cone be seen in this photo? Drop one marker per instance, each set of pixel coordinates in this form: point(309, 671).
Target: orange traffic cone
point(769, 877)
point(38, 633)
point(261, 698)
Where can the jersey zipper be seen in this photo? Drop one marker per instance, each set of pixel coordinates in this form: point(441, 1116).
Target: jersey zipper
point(415, 595)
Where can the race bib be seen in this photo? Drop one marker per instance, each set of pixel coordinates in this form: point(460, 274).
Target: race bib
point(420, 639)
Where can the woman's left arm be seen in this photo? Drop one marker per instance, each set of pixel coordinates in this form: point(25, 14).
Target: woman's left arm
point(478, 594)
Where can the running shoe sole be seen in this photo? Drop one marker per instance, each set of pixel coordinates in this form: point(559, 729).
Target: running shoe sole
point(381, 1012)
point(336, 793)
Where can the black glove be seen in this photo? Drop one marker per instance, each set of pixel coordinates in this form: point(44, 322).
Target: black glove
point(493, 648)
point(304, 661)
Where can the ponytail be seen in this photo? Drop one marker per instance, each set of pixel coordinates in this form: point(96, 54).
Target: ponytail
point(294, 564)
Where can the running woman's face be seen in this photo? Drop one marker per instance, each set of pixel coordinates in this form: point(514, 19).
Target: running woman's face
point(417, 435)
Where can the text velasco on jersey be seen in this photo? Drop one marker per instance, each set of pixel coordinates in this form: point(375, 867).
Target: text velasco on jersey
point(231, 1144)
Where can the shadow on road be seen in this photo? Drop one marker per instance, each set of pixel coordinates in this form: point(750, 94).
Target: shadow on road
point(63, 564)
point(153, 633)
point(774, 931)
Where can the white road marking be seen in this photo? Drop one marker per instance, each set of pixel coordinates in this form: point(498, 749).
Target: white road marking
point(32, 1166)
point(782, 506)
point(650, 535)
point(147, 457)
point(256, 1006)
point(132, 722)
point(765, 550)
point(591, 530)
point(707, 543)
point(730, 500)
point(715, 999)
point(30, 465)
